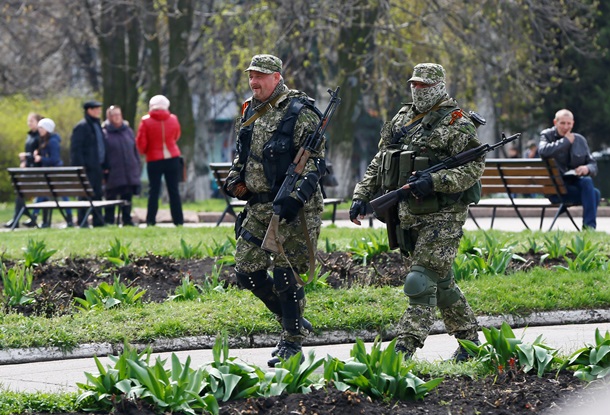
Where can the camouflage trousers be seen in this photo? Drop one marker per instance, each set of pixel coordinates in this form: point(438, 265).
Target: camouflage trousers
point(435, 247)
point(250, 258)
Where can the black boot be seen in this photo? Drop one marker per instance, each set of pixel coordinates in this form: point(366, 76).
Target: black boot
point(286, 350)
point(461, 354)
point(10, 223)
point(31, 222)
point(46, 219)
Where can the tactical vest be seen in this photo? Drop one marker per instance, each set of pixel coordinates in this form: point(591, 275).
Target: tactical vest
point(279, 151)
point(398, 163)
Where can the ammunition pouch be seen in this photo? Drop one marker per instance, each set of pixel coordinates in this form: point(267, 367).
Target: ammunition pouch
point(307, 187)
point(396, 168)
point(239, 221)
point(406, 240)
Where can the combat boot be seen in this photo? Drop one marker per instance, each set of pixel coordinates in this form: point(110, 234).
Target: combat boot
point(406, 350)
point(461, 354)
point(306, 324)
point(286, 349)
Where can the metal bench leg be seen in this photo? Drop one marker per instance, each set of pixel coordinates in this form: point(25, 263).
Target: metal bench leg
point(18, 218)
point(473, 219)
point(222, 216)
point(542, 218)
point(493, 218)
point(334, 212)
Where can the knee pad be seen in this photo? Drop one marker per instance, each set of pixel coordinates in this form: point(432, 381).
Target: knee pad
point(261, 285)
point(420, 286)
point(283, 280)
point(447, 294)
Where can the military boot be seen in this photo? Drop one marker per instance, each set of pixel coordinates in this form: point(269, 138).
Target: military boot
point(407, 350)
point(286, 349)
point(306, 324)
point(461, 354)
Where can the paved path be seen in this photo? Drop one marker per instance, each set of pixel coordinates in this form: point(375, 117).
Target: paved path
point(62, 375)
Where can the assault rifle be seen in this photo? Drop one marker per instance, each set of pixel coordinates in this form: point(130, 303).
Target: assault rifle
point(272, 241)
point(382, 204)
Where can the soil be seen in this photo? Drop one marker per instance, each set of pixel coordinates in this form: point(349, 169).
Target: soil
point(510, 393)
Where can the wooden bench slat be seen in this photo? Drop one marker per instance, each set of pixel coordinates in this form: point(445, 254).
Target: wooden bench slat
point(521, 177)
point(56, 183)
point(220, 171)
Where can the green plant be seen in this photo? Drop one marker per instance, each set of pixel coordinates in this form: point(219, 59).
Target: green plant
point(175, 390)
point(468, 266)
point(503, 352)
point(187, 291)
point(380, 374)
point(554, 245)
point(102, 391)
point(468, 243)
point(533, 245)
point(106, 296)
point(292, 375)
point(228, 378)
point(592, 361)
point(17, 285)
point(36, 253)
point(329, 246)
point(318, 280)
point(189, 251)
point(365, 248)
point(213, 282)
point(118, 254)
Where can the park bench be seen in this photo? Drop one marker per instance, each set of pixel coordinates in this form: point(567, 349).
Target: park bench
point(221, 171)
point(56, 183)
point(522, 183)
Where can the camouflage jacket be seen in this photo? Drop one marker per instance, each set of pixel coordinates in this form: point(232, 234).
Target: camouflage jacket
point(264, 128)
point(452, 135)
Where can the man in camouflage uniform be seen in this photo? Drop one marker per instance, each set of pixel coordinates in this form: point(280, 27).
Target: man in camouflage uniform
point(274, 124)
point(431, 217)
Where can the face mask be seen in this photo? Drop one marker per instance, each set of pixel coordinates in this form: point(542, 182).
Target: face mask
point(425, 98)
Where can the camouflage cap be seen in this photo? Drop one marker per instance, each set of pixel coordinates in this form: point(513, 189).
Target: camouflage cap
point(428, 73)
point(265, 64)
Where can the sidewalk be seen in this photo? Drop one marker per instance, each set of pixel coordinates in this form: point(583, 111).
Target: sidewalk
point(62, 375)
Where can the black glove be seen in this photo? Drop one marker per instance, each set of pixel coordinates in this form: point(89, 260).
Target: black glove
point(421, 186)
point(358, 208)
point(289, 208)
point(237, 188)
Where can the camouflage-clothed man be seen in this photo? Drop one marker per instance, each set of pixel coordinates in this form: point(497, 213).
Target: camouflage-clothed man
point(431, 217)
point(274, 124)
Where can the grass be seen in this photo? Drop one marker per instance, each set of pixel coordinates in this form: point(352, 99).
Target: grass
point(359, 308)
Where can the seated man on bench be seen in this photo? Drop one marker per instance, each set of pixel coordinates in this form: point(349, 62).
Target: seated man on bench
point(571, 152)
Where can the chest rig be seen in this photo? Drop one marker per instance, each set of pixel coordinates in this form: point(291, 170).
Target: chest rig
point(400, 160)
point(279, 151)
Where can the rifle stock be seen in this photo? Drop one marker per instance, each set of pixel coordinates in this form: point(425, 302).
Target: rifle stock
point(383, 203)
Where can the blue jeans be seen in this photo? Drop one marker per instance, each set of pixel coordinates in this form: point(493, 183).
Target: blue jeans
point(582, 192)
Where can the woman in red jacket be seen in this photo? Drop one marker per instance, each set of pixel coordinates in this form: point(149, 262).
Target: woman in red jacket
point(157, 136)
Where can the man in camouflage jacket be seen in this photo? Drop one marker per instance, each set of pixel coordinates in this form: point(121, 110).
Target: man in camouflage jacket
point(275, 123)
point(431, 217)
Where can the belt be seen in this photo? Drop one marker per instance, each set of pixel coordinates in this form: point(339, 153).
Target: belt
point(266, 197)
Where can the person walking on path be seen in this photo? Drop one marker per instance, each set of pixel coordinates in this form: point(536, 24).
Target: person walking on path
point(275, 123)
point(157, 139)
point(87, 149)
point(124, 165)
point(571, 152)
point(431, 214)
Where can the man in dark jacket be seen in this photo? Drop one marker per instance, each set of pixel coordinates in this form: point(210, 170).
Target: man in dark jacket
point(87, 148)
point(571, 152)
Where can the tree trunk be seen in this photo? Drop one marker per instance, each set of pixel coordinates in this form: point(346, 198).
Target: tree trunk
point(152, 50)
point(180, 20)
point(355, 44)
